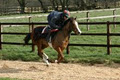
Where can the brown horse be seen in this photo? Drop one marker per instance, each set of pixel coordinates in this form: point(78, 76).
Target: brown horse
point(59, 42)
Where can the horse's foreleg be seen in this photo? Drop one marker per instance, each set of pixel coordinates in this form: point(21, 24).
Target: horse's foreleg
point(60, 55)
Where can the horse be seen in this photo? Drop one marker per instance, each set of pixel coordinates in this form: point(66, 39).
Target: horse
point(59, 41)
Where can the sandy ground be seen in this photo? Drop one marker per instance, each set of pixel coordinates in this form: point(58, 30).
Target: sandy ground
point(38, 71)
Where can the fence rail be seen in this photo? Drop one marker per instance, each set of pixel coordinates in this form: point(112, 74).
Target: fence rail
point(88, 17)
point(108, 34)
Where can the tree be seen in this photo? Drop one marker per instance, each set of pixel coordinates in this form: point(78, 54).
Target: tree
point(77, 3)
point(81, 4)
point(64, 4)
point(44, 7)
point(55, 4)
point(115, 3)
point(22, 4)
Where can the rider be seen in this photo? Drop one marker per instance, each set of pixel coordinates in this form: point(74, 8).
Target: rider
point(56, 20)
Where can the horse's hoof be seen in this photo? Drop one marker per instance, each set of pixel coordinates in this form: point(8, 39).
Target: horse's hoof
point(51, 61)
point(47, 65)
point(56, 61)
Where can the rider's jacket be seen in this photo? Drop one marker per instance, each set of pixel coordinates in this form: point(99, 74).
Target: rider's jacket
point(55, 19)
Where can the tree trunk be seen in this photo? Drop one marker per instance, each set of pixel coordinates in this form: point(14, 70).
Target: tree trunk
point(22, 9)
point(106, 4)
point(44, 8)
point(67, 3)
point(55, 4)
point(83, 5)
point(22, 5)
point(115, 3)
point(64, 4)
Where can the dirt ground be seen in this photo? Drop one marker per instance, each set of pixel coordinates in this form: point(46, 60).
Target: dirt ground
point(38, 71)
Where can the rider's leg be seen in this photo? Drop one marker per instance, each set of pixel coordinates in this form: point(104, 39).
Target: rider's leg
point(48, 36)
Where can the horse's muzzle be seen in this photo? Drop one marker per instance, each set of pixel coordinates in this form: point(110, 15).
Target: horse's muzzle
point(79, 33)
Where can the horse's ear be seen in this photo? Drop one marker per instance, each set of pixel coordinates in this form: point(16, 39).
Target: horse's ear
point(75, 17)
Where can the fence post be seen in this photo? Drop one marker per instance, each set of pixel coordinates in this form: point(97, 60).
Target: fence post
point(68, 49)
point(108, 38)
point(87, 15)
point(33, 47)
point(0, 37)
point(114, 18)
point(29, 24)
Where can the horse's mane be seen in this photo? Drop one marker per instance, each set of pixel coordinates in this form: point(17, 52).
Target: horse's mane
point(71, 18)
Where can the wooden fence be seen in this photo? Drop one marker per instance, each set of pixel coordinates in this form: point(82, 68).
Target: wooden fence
point(108, 34)
point(88, 17)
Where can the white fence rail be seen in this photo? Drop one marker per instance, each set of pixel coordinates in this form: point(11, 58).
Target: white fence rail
point(100, 17)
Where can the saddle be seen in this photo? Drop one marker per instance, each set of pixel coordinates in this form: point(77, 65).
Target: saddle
point(42, 32)
point(47, 29)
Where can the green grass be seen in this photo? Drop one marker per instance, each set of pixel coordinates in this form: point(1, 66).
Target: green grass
point(92, 55)
point(11, 79)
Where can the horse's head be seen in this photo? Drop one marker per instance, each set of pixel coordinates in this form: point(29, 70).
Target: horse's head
point(74, 26)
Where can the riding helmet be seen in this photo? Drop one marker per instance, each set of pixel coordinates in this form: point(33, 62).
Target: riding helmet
point(66, 13)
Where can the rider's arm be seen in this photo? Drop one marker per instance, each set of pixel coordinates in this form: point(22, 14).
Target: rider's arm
point(52, 23)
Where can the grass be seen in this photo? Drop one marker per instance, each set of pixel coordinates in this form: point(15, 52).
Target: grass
point(11, 79)
point(91, 55)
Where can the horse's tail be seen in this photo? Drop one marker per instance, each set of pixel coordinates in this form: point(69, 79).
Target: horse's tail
point(27, 38)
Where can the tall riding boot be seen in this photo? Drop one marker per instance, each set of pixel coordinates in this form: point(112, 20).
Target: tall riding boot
point(48, 37)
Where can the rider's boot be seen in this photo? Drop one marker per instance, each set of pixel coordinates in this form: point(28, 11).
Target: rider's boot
point(48, 37)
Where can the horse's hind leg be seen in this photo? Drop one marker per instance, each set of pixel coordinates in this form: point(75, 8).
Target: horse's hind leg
point(43, 55)
point(45, 59)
